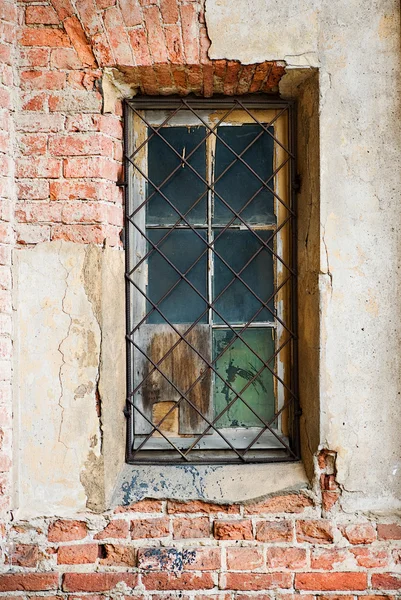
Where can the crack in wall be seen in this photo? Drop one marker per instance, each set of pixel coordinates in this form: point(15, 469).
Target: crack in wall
point(63, 361)
point(328, 271)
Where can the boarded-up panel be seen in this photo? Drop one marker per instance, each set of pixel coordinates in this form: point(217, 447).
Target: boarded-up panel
point(182, 367)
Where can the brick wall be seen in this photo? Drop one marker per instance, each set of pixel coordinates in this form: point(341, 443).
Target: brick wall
point(158, 550)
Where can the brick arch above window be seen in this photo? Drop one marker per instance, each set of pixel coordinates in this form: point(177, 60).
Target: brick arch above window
point(160, 48)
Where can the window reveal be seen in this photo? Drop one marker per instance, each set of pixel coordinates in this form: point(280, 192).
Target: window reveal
point(211, 341)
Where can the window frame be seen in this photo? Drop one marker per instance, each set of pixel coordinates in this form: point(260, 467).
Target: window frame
point(287, 191)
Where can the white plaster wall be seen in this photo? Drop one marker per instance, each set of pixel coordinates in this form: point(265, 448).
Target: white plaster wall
point(356, 46)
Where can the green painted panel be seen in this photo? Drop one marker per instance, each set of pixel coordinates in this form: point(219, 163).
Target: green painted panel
point(238, 365)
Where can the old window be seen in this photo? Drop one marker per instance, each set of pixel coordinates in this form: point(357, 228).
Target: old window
point(211, 356)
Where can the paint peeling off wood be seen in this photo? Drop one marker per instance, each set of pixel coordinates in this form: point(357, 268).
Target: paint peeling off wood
point(170, 423)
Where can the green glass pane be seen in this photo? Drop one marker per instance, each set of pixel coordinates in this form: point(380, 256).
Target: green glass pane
point(238, 366)
point(184, 187)
point(237, 304)
point(181, 247)
point(239, 184)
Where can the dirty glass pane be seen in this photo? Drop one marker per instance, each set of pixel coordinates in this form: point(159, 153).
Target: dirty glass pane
point(238, 184)
point(238, 366)
point(237, 304)
point(182, 247)
point(184, 187)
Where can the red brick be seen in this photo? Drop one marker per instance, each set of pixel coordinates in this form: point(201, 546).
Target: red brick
point(197, 506)
point(231, 80)
point(386, 581)
point(96, 582)
point(111, 126)
point(139, 45)
point(361, 533)
point(92, 167)
point(330, 581)
point(39, 122)
point(118, 36)
point(65, 58)
point(206, 559)
point(149, 528)
point(32, 234)
point(82, 190)
point(170, 581)
point(370, 558)
point(286, 558)
point(43, 15)
point(169, 10)
point(291, 503)
point(334, 597)
point(77, 36)
point(131, 12)
point(28, 582)
point(77, 554)
point(142, 506)
point(33, 143)
point(156, 40)
point(51, 38)
point(34, 57)
point(274, 531)
point(38, 166)
point(86, 234)
point(245, 79)
point(33, 101)
point(244, 559)
point(328, 558)
point(198, 527)
point(190, 32)
point(77, 144)
point(76, 100)
point(24, 555)
point(391, 531)
point(115, 529)
point(255, 581)
point(233, 530)
point(67, 531)
point(314, 531)
point(119, 555)
point(329, 499)
point(63, 8)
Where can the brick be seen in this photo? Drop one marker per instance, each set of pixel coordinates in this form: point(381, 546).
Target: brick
point(86, 234)
point(206, 559)
point(111, 126)
point(139, 45)
point(28, 582)
point(42, 80)
point(314, 531)
point(328, 558)
point(67, 531)
point(286, 558)
point(184, 581)
point(41, 15)
point(150, 528)
point(370, 558)
point(233, 530)
point(391, 531)
point(77, 554)
point(156, 40)
point(34, 102)
point(143, 506)
point(329, 499)
point(24, 555)
point(335, 597)
point(190, 32)
point(92, 167)
point(361, 533)
point(255, 581)
point(76, 101)
point(63, 8)
point(197, 506)
point(118, 38)
point(37, 123)
point(64, 58)
point(119, 555)
point(115, 529)
point(169, 11)
point(38, 167)
point(386, 581)
point(244, 559)
point(191, 527)
point(77, 144)
point(131, 12)
point(173, 559)
point(32, 234)
point(78, 39)
point(274, 531)
point(33, 143)
point(51, 38)
point(96, 582)
point(331, 581)
point(8, 11)
point(35, 189)
point(291, 503)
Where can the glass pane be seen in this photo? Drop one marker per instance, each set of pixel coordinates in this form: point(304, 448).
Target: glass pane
point(238, 185)
point(184, 187)
point(238, 366)
point(237, 304)
point(182, 247)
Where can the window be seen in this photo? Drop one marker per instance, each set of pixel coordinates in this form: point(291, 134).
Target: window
point(211, 343)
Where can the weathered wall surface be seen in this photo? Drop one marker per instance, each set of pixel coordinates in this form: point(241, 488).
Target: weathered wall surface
point(339, 533)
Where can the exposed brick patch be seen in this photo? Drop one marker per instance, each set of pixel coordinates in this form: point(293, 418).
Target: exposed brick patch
point(256, 581)
point(149, 528)
point(77, 554)
point(185, 581)
point(274, 531)
point(233, 530)
point(28, 582)
point(291, 503)
point(331, 581)
point(193, 527)
point(66, 531)
point(391, 531)
point(360, 533)
point(96, 582)
point(115, 529)
point(244, 559)
point(197, 506)
point(314, 531)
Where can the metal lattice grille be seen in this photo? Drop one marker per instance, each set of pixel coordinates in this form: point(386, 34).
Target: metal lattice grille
point(210, 282)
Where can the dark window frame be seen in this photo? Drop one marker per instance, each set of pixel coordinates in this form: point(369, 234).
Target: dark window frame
point(291, 445)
